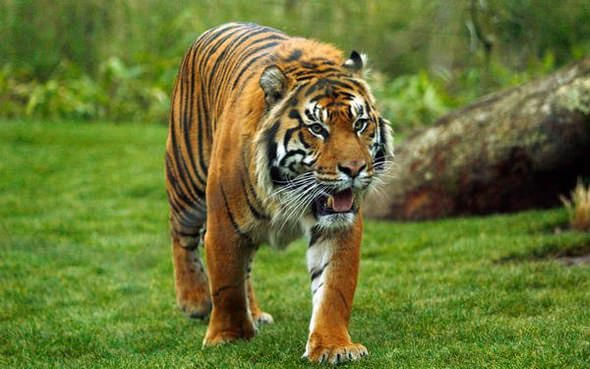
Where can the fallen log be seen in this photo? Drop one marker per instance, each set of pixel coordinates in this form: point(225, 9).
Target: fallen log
point(513, 150)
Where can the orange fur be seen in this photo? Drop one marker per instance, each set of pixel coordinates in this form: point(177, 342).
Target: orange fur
point(254, 114)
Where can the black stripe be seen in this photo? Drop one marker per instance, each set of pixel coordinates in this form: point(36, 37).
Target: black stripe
point(231, 48)
point(346, 84)
point(185, 234)
point(256, 55)
point(232, 220)
point(289, 133)
point(257, 214)
point(306, 74)
point(302, 140)
point(251, 50)
point(181, 215)
point(276, 177)
point(315, 235)
point(237, 41)
point(221, 289)
point(322, 60)
point(206, 51)
point(248, 188)
point(220, 38)
point(204, 112)
point(172, 195)
point(379, 162)
point(271, 145)
point(200, 122)
point(189, 154)
point(317, 288)
point(310, 163)
point(318, 272)
point(295, 55)
point(309, 115)
point(181, 167)
point(294, 114)
point(213, 33)
point(322, 83)
point(186, 123)
point(347, 95)
point(290, 154)
point(342, 298)
point(255, 51)
point(186, 178)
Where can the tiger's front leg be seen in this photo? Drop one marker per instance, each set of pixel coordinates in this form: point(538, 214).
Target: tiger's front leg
point(333, 263)
point(228, 254)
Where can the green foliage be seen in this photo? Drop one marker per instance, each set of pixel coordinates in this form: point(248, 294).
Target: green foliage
point(131, 96)
point(119, 92)
point(412, 101)
point(68, 94)
point(16, 86)
point(417, 100)
point(87, 275)
point(55, 57)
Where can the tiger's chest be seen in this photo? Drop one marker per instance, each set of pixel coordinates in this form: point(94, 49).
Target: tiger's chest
point(280, 238)
point(279, 234)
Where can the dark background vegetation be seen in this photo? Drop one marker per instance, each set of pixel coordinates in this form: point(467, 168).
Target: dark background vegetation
point(116, 60)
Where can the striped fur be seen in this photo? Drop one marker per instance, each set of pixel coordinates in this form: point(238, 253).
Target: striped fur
point(270, 137)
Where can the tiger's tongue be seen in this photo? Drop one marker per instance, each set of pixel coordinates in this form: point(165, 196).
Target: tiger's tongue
point(342, 201)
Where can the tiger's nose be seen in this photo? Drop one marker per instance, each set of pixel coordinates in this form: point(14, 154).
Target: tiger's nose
point(352, 167)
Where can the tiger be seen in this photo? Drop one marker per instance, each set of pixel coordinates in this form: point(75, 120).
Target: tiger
point(270, 138)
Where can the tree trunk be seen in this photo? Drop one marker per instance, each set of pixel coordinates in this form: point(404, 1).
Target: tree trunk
point(510, 151)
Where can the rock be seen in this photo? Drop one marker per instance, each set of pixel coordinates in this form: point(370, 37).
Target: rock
point(510, 151)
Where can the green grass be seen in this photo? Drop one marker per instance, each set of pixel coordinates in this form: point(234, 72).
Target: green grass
point(86, 274)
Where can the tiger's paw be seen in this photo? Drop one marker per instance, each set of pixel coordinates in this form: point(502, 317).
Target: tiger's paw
point(199, 310)
point(335, 354)
point(220, 337)
point(192, 291)
point(262, 318)
point(196, 305)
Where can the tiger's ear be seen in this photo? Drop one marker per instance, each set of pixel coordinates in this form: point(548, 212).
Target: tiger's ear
point(355, 63)
point(274, 83)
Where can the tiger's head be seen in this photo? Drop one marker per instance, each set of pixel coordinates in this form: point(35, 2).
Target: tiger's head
point(322, 144)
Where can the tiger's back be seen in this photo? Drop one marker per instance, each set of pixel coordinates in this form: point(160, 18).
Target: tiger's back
point(214, 70)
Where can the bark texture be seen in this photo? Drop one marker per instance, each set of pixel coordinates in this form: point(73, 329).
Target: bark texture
point(513, 150)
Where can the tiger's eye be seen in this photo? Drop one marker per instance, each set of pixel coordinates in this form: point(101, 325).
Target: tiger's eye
point(360, 124)
point(316, 128)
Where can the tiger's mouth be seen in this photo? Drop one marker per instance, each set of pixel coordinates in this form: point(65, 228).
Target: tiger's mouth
point(336, 203)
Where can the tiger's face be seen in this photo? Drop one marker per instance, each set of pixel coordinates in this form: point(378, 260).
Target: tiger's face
point(325, 147)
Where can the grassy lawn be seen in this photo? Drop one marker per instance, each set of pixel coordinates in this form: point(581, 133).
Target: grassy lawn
point(86, 274)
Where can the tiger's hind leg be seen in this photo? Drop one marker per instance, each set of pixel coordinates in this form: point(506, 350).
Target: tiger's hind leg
point(187, 218)
point(190, 277)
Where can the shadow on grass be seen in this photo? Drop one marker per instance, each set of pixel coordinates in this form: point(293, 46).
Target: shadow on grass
point(552, 228)
point(569, 254)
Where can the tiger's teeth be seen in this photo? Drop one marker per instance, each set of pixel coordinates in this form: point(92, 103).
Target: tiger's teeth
point(330, 202)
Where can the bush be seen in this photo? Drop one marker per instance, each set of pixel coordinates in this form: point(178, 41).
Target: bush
point(66, 94)
point(413, 100)
point(119, 93)
point(133, 92)
point(15, 88)
point(578, 206)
